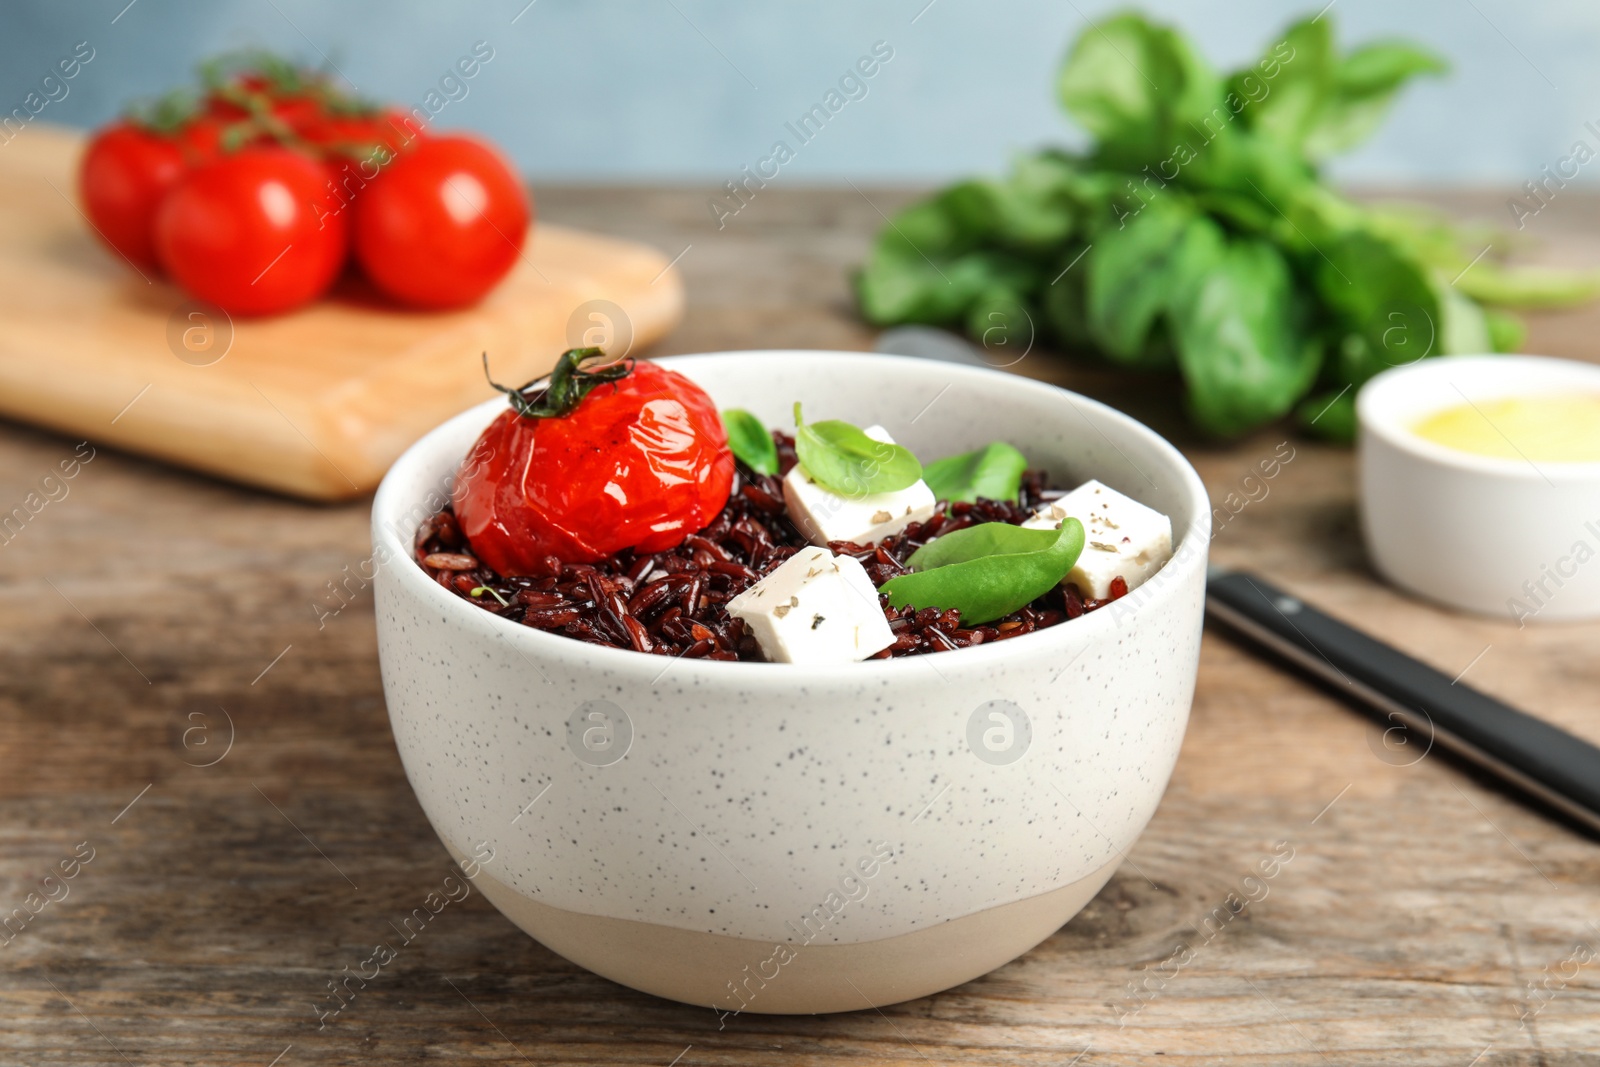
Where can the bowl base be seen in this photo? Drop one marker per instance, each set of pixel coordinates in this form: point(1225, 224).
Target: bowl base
point(735, 975)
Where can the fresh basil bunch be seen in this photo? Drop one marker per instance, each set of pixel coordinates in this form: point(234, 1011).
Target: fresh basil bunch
point(1196, 235)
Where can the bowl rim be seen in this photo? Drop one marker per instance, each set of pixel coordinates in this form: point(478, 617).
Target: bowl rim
point(1084, 632)
point(1400, 436)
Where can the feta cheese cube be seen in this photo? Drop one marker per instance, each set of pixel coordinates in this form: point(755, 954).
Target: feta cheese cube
point(823, 515)
point(1123, 537)
point(815, 608)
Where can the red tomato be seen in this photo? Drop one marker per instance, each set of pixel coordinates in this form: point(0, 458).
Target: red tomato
point(399, 127)
point(201, 138)
point(441, 224)
point(220, 107)
point(377, 137)
point(208, 137)
point(124, 176)
point(252, 232)
point(640, 463)
point(297, 112)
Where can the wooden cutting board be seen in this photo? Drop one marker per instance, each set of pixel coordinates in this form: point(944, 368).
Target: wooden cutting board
point(316, 403)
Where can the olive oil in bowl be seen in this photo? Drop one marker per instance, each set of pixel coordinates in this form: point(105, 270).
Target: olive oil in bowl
point(1545, 428)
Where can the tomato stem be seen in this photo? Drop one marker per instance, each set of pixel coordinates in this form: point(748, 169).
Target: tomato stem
point(167, 113)
point(555, 397)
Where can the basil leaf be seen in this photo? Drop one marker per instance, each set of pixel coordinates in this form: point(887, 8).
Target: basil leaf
point(1463, 330)
point(993, 471)
point(1002, 323)
point(977, 542)
point(1244, 355)
point(1330, 415)
point(1064, 300)
point(750, 442)
point(1287, 106)
point(1364, 85)
point(1506, 331)
point(1136, 87)
point(1130, 278)
point(1025, 212)
point(899, 285)
point(1382, 300)
point(987, 571)
point(840, 457)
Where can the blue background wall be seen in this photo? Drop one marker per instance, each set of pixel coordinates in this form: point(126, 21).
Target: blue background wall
point(623, 90)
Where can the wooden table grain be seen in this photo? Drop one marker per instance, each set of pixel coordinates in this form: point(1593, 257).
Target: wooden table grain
point(188, 729)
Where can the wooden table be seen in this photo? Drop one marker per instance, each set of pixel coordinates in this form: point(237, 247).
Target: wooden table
point(149, 608)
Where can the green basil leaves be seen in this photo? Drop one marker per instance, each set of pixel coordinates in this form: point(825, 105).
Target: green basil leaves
point(987, 571)
point(1228, 261)
point(750, 442)
point(993, 471)
point(841, 458)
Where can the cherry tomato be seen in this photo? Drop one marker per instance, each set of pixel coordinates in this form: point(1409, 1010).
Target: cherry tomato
point(297, 111)
point(124, 176)
point(357, 148)
point(219, 107)
point(201, 138)
point(398, 127)
point(640, 462)
point(378, 137)
point(208, 137)
point(252, 232)
point(441, 224)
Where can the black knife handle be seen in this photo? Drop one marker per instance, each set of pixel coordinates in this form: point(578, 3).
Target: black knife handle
point(1544, 761)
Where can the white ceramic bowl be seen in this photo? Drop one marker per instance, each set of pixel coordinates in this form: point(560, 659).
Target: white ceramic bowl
point(779, 838)
point(1503, 537)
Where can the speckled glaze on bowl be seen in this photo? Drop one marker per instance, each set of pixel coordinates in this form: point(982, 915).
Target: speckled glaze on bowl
point(774, 838)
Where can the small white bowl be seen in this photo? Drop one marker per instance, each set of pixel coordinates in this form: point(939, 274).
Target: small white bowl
point(1509, 537)
point(779, 838)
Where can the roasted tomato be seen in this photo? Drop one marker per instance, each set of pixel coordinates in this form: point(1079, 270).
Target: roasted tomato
point(124, 176)
point(599, 460)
